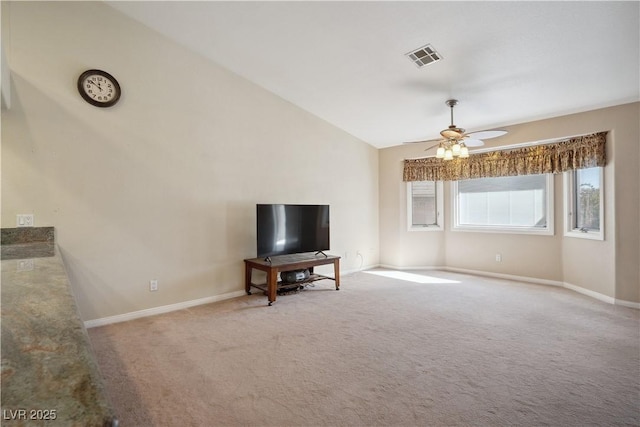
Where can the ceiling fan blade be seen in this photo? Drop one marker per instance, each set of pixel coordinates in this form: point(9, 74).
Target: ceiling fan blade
point(423, 141)
point(433, 146)
point(472, 142)
point(487, 134)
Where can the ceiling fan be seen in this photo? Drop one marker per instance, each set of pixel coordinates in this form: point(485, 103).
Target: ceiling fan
point(455, 141)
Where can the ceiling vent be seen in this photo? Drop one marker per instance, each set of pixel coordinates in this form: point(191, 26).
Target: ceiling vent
point(424, 56)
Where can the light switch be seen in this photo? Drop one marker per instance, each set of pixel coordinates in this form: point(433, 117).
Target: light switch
point(25, 220)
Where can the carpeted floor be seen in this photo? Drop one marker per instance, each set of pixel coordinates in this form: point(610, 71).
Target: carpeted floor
point(426, 348)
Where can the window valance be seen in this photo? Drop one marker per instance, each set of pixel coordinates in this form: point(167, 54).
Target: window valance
point(574, 153)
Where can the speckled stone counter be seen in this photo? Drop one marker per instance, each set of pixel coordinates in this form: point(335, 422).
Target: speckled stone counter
point(49, 376)
point(27, 242)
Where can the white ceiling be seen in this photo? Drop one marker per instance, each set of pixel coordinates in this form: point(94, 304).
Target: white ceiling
point(506, 62)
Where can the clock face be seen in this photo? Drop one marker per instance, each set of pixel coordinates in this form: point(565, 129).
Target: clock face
point(99, 88)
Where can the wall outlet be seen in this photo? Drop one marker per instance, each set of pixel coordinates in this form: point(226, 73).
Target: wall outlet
point(499, 257)
point(153, 285)
point(24, 265)
point(25, 220)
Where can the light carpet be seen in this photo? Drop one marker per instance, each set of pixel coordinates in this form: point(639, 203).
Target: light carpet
point(425, 348)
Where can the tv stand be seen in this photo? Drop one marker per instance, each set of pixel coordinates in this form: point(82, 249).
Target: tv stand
point(320, 252)
point(288, 263)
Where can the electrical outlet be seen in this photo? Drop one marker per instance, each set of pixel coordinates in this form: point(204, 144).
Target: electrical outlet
point(153, 285)
point(499, 257)
point(24, 265)
point(25, 220)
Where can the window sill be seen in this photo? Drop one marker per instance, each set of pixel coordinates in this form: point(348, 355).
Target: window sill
point(589, 235)
point(502, 230)
point(426, 228)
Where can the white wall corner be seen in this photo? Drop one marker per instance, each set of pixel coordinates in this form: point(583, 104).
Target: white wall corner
point(5, 80)
point(629, 304)
point(592, 294)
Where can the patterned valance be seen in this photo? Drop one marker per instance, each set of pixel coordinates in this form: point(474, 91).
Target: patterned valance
point(573, 153)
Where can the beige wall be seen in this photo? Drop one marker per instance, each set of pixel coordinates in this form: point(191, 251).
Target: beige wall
point(5, 84)
point(609, 267)
point(164, 184)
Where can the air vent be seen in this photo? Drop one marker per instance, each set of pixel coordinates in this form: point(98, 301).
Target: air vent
point(424, 56)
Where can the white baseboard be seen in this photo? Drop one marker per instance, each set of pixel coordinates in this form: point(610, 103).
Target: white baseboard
point(516, 278)
point(181, 305)
point(186, 304)
point(592, 294)
point(159, 310)
point(579, 289)
point(410, 267)
point(629, 304)
point(575, 288)
point(356, 270)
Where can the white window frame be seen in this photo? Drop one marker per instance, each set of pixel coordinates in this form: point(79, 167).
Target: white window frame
point(546, 231)
point(439, 225)
point(569, 189)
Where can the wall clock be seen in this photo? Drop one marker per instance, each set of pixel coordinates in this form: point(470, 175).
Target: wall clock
point(99, 88)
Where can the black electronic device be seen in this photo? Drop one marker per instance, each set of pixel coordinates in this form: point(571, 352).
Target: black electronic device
point(289, 229)
point(294, 276)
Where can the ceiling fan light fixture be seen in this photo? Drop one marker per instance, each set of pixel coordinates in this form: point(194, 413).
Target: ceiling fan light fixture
point(452, 132)
point(448, 154)
point(455, 141)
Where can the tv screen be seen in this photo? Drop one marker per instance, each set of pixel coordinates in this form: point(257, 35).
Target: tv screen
point(289, 229)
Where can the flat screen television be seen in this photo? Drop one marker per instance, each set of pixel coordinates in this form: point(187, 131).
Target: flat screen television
point(290, 229)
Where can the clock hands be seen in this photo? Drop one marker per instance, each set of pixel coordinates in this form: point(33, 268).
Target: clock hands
point(96, 84)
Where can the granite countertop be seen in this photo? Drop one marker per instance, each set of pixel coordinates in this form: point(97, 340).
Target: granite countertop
point(27, 242)
point(49, 375)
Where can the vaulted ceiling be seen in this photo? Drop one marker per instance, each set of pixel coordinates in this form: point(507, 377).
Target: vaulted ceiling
point(345, 62)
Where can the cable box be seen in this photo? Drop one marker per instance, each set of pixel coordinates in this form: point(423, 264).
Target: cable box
point(294, 276)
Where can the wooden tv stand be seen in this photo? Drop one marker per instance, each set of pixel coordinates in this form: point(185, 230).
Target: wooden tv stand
point(288, 263)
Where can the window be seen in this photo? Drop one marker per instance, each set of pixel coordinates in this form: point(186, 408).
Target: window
point(583, 196)
point(512, 204)
point(424, 206)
